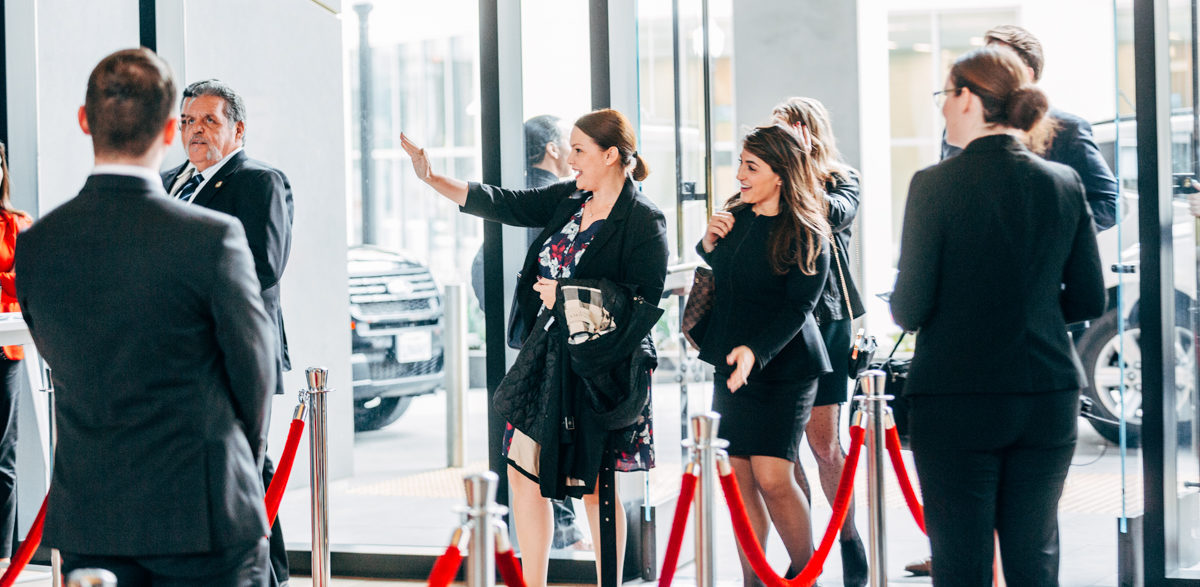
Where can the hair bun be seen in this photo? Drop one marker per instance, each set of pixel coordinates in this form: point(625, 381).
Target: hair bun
point(1026, 106)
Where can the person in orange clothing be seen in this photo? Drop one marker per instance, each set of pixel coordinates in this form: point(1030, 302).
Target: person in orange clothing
point(13, 377)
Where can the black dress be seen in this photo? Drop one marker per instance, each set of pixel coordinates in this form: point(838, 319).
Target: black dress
point(771, 314)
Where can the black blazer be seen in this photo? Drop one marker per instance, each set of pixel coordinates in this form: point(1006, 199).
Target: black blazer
point(149, 313)
point(630, 249)
point(1074, 146)
point(998, 254)
point(261, 197)
point(772, 314)
point(842, 197)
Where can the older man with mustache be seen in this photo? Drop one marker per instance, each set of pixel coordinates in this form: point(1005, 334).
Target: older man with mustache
point(218, 175)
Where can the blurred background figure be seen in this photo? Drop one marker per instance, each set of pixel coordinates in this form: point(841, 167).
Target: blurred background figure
point(13, 376)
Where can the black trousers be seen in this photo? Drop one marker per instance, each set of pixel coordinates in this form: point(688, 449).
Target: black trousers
point(993, 463)
point(240, 566)
point(14, 381)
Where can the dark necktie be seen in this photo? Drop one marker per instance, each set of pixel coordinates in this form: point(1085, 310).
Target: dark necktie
point(189, 187)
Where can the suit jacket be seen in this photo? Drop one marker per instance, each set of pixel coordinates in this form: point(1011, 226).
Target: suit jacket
point(261, 197)
point(997, 255)
point(1074, 146)
point(149, 313)
point(843, 199)
point(753, 306)
point(630, 249)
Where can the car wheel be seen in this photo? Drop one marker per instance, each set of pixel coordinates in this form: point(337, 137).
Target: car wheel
point(377, 412)
point(1100, 349)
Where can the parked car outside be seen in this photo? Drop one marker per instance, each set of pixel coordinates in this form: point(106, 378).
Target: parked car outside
point(396, 334)
point(1101, 343)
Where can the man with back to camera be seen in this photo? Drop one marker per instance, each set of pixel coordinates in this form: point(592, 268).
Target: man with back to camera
point(149, 314)
point(218, 175)
point(1071, 142)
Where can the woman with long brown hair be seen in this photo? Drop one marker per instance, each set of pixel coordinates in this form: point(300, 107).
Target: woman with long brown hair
point(840, 303)
point(13, 377)
point(769, 251)
point(596, 226)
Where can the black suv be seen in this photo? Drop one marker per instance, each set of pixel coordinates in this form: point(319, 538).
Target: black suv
point(396, 334)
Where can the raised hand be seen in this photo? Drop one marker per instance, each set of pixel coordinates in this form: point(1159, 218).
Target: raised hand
point(718, 226)
point(420, 162)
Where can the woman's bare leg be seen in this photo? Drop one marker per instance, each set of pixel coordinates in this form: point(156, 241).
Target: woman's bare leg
point(534, 521)
point(755, 510)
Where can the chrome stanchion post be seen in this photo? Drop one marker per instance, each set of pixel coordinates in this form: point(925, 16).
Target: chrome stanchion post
point(318, 459)
point(705, 445)
point(91, 578)
point(481, 515)
point(872, 406)
point(457, 374)
point(51, 442)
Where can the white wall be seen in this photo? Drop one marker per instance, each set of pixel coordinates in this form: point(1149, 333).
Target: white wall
point(285, 58)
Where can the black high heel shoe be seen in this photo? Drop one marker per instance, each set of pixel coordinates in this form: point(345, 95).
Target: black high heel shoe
point(854, 563)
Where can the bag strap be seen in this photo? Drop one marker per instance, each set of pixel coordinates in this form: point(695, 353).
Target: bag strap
point(898, 341)
point(842, 278)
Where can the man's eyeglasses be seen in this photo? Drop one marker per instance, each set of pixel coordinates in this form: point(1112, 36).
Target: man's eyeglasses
point(939, 97)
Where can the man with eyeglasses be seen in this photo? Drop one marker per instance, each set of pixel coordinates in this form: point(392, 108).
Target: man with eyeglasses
point(218, 175)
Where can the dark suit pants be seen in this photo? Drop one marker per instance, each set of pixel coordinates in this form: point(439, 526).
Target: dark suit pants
point(993, 463)
point(240, 566)
point(15, 381)
point(278, 550)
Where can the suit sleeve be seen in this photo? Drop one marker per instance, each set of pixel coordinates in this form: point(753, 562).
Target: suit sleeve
point(920, 256)
point(1083, 296)
point(530, 207)
point(646, 259)
point(803, 291)
point(1082, 154)
point(244, 336)
point(266, 211)
point(843, 200)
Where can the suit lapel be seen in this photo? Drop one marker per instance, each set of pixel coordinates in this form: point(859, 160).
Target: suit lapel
point(171, 175)
point(215, 183)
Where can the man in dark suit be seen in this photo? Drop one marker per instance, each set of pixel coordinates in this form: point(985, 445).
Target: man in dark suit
point(218, 175)
point(150, 315)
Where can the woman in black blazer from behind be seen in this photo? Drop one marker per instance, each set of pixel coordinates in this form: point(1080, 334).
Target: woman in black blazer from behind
point(769, 251)
point(997, 256)
point(597, 226)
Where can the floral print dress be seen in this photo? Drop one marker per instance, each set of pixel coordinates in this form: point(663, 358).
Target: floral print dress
point(634, 445)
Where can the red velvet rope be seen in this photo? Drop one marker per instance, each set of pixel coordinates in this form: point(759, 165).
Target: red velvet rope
point(687, 492)
point(446, 567)
point(745, 534)
point(910, 496)
point(510, 569)
point(25, 552)
point(841, 506)
point(749, 543)
point(283, 470)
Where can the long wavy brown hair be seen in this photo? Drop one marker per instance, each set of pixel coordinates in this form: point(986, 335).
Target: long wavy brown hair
point(803, 229)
